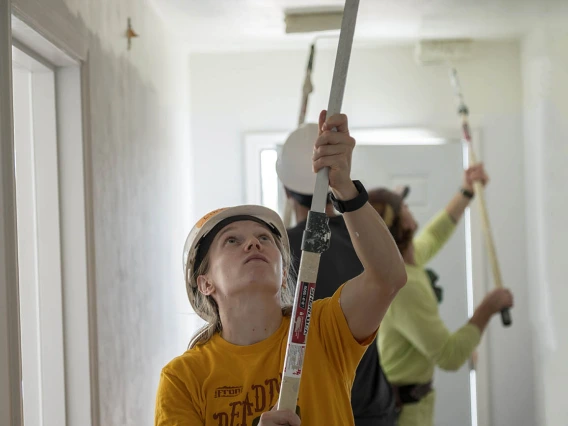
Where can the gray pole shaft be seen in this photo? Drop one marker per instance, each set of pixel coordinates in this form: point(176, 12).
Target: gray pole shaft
point(319, 200)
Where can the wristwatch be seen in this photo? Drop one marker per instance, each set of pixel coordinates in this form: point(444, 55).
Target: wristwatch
point(356, 203)
point(467, 193)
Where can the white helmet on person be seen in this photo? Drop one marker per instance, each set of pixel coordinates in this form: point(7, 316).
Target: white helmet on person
point(294, 164)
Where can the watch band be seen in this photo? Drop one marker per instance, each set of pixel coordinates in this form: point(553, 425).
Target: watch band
point(346, 206)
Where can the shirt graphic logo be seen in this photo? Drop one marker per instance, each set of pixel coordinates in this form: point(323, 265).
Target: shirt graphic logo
point(228, 391)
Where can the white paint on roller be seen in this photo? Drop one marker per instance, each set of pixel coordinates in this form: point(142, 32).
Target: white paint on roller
point(304, 21)
point(442, 51)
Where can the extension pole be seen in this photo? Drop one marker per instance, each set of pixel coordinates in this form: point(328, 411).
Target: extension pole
point(317, 234)
point(308, 86)
point(478, 187)
point(306, 90)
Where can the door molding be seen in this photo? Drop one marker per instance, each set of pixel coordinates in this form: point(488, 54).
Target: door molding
point(55, 34)
point(55, 24)
point(10, 361)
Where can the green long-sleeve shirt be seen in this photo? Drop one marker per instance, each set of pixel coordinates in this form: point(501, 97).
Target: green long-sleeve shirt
point(412, 338)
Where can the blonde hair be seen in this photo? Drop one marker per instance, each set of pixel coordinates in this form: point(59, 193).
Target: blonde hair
point(206, 307)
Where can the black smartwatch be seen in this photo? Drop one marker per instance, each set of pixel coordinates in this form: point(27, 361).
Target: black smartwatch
point(466, 193)
point(353, 204)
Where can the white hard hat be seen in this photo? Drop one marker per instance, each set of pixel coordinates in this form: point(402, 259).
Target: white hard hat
point(218, 219)
point(294, 164)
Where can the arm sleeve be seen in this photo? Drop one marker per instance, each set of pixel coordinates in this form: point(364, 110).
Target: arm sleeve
point(436, 233)
point(341, 347)
point(415, 315)
point(174, 403)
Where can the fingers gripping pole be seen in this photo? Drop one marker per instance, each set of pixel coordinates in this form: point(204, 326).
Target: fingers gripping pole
point(479, 191)
point(337, 90)
point(317, 235)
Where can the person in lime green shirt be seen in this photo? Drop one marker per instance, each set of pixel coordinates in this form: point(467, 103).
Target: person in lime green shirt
point(413, 338)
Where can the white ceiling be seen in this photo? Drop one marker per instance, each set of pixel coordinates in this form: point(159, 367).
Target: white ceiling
point(209, 25)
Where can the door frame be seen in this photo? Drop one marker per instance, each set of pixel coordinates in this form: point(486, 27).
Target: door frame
point(255, 142)
point(55, 34)
point(10, 365)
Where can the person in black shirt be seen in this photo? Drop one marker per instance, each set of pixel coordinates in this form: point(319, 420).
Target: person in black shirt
point(372, 398)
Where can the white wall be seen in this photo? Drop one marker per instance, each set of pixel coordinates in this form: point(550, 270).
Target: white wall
point(241, 92)
point(141, 190)
point(545, 85)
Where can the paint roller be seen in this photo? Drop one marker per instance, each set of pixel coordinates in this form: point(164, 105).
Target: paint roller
point(303, 21)
point(317, 234)
point(430, 52)
point(307, 88)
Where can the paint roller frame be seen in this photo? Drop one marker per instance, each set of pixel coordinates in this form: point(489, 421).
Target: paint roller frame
point(317, 234)
point(307, 89)
point(446, 52)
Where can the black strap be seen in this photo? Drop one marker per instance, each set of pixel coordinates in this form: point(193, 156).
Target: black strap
point(466, 193)
point(354, 204)
point(410, 394)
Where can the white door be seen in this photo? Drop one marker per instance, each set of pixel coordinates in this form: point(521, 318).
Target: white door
point(434, 173)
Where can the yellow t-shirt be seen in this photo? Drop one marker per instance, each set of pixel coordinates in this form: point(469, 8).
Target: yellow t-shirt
point(221, 384)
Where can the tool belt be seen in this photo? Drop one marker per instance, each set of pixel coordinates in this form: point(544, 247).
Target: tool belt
point(410, 394)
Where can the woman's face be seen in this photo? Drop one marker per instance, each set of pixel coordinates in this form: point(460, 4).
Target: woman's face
point(243, 257)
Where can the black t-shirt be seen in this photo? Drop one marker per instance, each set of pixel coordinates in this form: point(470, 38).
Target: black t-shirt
point(372, 398)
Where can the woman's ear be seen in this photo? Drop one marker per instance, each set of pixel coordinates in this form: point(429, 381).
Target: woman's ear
point(205, 286)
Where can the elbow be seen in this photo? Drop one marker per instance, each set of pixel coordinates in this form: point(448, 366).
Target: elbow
point(454, 354)
point(390, 284)
point(452, 362)
point(392, 279)
point(400, 279)
point(398, 273)
point(397, 277)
